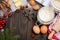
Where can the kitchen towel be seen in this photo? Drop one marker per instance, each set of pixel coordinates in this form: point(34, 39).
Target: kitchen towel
point(57, 35)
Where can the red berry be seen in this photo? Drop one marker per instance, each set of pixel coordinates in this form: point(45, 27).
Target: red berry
point(0, 19)
point(9, 15)
point(26, 6)
point(0, 22)
point(5, 15)
point(1, 27)
point(8, 10)
point(3, 21)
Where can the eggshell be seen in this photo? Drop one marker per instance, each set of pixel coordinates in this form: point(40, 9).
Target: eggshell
point(44, 29)
point(36, 29)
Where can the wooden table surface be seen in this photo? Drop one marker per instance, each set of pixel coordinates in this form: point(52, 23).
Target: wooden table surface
point(24, 26)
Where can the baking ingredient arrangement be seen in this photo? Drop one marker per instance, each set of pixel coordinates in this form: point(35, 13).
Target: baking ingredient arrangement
point(48, 15)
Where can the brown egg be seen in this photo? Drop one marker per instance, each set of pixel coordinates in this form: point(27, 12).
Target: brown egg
point(44, 29)
point(36, 29)
point(36, 7)
point(32, 2)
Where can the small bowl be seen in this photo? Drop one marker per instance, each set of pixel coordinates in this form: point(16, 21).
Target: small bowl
point(45, 15)
point(56, 4)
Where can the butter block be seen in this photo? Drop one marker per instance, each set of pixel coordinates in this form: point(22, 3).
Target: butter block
point(17, 4)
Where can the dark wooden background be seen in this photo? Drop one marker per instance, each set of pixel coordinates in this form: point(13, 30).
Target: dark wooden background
point(24, 26)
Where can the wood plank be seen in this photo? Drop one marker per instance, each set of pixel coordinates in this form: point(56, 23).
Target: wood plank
point(24, 26)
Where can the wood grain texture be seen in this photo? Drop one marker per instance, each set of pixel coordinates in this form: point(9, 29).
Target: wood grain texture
point(24, 26)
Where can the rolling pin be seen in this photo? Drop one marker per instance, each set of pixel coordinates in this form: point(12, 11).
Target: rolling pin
point(55, 28)
point(2, 7)
point(6, 3)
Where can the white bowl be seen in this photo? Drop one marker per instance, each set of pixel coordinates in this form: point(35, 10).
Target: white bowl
point(45, 15)
point(56, 4)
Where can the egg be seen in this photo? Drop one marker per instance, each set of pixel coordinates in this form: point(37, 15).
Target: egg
point(32, 2)
point(36, 29)
point(44, 29)
point(36, 7)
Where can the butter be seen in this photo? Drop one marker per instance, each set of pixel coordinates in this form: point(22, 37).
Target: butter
point(17, 3)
